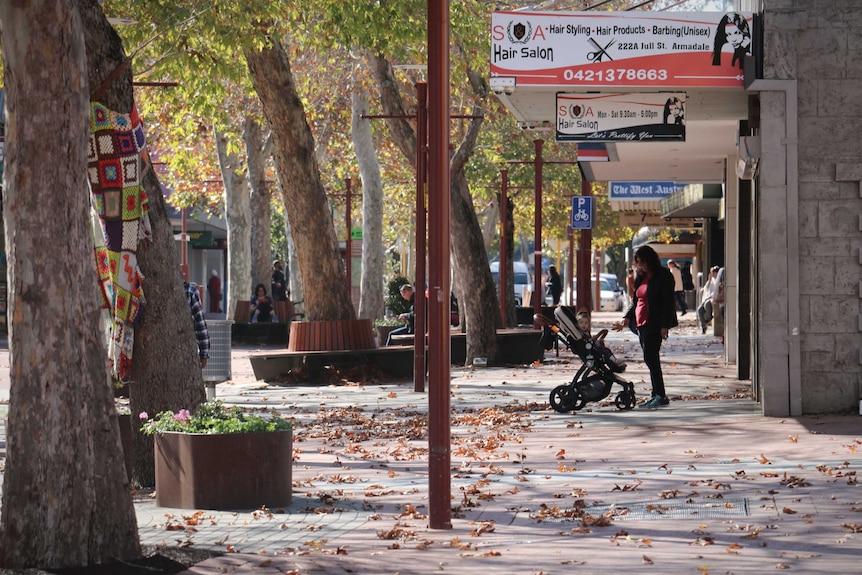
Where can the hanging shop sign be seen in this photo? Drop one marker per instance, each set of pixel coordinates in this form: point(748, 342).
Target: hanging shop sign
point(642, 190)
point(678, 49)
point(658, 117)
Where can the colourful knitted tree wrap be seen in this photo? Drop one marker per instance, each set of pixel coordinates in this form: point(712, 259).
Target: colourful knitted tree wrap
point(116, 159)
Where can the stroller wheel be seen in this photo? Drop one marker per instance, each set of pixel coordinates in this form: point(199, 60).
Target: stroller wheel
point(562, 398)
point(625, 400)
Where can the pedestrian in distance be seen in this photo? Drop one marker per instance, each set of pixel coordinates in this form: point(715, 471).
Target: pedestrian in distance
point(705, 309)
point(678, 292)
point(279, 283)
point(214, 291)
point(554, 284)
point(654, 314)
point(630, 286)
point(200, 323)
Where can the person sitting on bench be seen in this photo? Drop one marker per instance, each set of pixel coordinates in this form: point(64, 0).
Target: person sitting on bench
point(261, 306)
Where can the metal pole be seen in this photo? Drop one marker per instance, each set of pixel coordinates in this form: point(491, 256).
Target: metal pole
point(537, 247)
point(570, 269)
point(419, 301)
point(439, 456)
point(184, 265)
point(503, 269)
point(585, 239)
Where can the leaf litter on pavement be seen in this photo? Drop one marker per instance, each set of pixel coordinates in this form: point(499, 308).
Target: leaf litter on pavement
point(367, 452)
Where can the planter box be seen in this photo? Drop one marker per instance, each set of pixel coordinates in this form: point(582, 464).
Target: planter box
point(227, 471)
point(383, 332)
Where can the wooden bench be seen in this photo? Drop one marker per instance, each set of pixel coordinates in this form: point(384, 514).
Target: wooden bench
point(265, 333)
point(396, 360)
point(284, 311)
point(515, 346)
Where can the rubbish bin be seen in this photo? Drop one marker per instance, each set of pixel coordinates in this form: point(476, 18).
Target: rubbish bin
point(218, 365)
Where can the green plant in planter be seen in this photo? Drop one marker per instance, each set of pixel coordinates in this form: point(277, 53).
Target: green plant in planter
point(211, 418)
point(389, 322)
point(394, 301)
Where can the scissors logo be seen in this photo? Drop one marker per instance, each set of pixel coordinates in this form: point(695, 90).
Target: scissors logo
point(600, 52)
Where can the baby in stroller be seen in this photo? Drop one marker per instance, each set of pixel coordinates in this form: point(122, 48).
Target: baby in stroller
point(585, 323)
point(600, 369)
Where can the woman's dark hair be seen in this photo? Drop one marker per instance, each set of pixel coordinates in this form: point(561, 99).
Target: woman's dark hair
point(721, 35)
point(259, 286)
point(649, 257)
point(670, 105)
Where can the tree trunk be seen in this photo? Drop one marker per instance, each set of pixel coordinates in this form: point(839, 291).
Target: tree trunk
point(479, 304)
point(294, 276)
point(166, 372)
point(480, 307)
point(237, 208)
point(324, 280)
point(371, 284)
point(509, 237)
point(66, 499)
point(261, 196)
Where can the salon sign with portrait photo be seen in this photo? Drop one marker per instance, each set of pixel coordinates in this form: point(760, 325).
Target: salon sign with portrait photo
point(621, 49)
point(638, 117)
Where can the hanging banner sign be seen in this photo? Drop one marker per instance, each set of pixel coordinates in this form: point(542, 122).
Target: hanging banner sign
point(698, 49)
point(621, 117)
point(642, 190)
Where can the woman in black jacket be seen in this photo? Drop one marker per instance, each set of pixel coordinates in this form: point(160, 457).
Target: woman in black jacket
point(653, 312)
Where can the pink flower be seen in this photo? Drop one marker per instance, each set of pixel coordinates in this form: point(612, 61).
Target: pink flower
point(143, 415)
point(183, 415)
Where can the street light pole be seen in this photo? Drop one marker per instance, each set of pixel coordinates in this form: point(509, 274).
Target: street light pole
point(439, 445)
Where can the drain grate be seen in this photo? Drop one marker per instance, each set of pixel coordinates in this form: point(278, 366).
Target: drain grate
point(669, 509)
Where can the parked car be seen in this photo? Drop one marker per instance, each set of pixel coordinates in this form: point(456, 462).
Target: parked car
point(610, 299)
point(523, 280)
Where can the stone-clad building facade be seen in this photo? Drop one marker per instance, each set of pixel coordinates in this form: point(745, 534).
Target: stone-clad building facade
point(806, 207)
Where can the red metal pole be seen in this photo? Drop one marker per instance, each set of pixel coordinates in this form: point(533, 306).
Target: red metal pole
point(419, 301)
point(585, 239)
point(184, 264)
point(537, 247)
point(348, 243)
point(570, 269)
point(503, 269)
point(439, 450)
point(597, 297)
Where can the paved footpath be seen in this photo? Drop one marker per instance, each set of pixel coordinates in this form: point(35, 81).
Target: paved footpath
point(704, 486)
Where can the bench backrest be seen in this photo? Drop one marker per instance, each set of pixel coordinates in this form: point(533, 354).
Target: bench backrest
point(242, 314)
point(284, 310)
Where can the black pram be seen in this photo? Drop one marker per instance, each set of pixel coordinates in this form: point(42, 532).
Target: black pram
point(596, 377)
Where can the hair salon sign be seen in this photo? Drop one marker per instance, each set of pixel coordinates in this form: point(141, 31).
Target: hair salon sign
point(620, 117)
point(643, 49)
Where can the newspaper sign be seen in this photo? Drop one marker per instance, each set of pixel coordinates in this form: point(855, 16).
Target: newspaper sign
point(621, 117)
point(642, 190)
point(643, 49)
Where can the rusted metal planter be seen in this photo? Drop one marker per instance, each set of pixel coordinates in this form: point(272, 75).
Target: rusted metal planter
point(227, 471)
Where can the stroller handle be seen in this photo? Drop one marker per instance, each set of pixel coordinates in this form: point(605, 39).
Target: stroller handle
point(543, 321)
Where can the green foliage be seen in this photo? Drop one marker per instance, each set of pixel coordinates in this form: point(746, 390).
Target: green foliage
point(394, 301)
point(211, 418)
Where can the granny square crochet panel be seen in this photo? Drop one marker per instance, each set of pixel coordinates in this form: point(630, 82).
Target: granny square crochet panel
point(116, 158)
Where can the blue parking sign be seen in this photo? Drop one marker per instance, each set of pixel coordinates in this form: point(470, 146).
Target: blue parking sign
point(582, 212)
